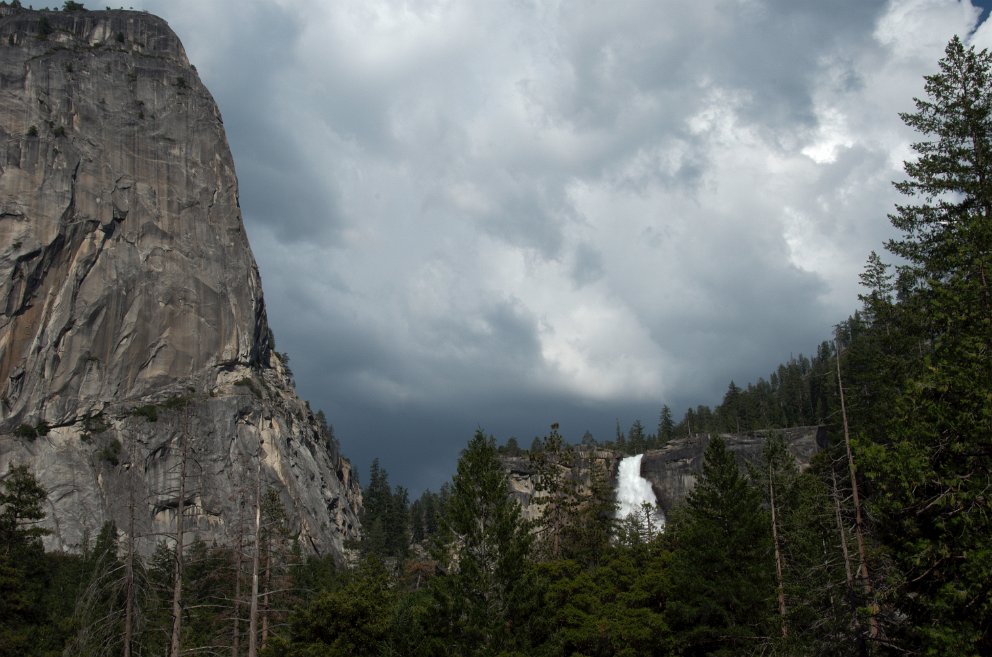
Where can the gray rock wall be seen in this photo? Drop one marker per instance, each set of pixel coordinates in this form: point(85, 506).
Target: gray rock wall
point(672, 470)
point(126, 281)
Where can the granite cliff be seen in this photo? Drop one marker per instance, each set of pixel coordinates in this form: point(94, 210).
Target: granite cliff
point(673, 469)
point(131, 309)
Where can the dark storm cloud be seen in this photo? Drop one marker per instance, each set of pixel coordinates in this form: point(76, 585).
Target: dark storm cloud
point(512, 214)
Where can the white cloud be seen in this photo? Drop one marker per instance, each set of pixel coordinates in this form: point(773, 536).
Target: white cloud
point(531, 204)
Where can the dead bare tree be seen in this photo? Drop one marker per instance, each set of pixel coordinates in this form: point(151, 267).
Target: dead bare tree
point(129, 597)
point(858, 522)
point(175, 644)
point(780, 582)
point(239, 546)
point(253, 613)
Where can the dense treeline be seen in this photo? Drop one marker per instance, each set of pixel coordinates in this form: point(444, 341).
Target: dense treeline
point(800, 392)
point(881, 547)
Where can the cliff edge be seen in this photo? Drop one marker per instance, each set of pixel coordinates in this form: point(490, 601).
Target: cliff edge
point(131, 309)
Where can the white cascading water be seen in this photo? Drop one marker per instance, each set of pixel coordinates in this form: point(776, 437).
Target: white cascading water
point(633, 492)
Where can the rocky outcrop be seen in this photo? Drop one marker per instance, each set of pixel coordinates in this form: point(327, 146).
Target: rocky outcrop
point(523, 476)
point(128, 291)
point(672, 470)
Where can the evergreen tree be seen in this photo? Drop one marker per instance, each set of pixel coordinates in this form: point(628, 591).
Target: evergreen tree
point(99, 612)
point(556, 492)
point(350, 620)
point(666, 427)
point(385, 516)
point(587, 538)
point(729, 412)
point(636, 438)
point(931, 469)
point(483, 556)
point(722, 583)
point(22, 562)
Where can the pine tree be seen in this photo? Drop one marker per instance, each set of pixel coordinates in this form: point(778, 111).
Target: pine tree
point(556, 491)
point(483, 555)
point(636, 439)
point(722, 598)
point(932, 467)
point(666, 427)
point(22, 562)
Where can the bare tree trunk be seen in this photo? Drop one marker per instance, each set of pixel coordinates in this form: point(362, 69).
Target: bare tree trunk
point(177, 586)
point(843, 534)
point(238, 555)
point(129, 558)
point(267, 589)
point(858, 523)
point(778, 557)
point(253, 614)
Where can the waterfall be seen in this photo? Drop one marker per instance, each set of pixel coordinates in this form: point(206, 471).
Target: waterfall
point(633, 492)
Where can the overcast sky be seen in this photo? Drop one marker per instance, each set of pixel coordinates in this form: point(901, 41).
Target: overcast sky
point(510, 213)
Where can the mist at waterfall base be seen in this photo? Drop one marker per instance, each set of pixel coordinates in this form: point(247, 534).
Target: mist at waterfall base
point(633, 493)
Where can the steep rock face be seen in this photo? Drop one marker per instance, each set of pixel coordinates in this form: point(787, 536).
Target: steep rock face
point(127, 284)
point(523, 475)
point(672, 470)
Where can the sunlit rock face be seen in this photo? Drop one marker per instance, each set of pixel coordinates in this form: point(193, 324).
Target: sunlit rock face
point(127, 281)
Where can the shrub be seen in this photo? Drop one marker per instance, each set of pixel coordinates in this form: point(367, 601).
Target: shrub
point(111, 452)
point(247, 382)
point(29, 432)
point(148, 411)
point(96, 423)
point(44, 27)
point(25, 431)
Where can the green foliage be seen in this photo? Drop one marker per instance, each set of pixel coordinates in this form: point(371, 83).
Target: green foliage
point(353, 620)
point(111, 452)
point(98, 617)
point(483, 552)
point(928, 461)
point(25, 431)
point(614, 608)
point(722, 587)
point(147, 411)
point(44, 28)
point(577, 519)
point(666, 426)
point(556, 490)
point(426, 513)
point(385, 516)
point(70, 5)
point(96, 423)
point(31, 432)
point(23, 575)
